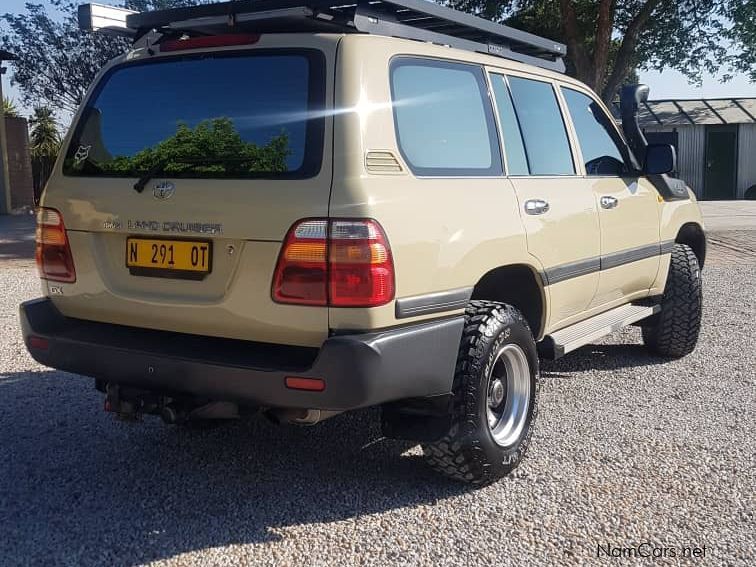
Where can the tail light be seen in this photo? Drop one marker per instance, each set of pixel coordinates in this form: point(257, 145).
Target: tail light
point(361, 270)
point(53, 254)
point(337, 262)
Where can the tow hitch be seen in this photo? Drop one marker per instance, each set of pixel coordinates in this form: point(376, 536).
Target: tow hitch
point(130, 404)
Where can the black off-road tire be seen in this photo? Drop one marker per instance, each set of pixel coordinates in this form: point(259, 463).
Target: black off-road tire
point(674, 332)
point(468, 452)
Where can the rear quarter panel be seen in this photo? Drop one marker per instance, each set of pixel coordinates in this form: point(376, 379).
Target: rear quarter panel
point(445, 233)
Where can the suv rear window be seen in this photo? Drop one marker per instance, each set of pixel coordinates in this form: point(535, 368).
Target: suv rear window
point(237, 115)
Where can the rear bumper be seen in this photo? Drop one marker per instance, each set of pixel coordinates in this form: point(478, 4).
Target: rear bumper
point(359, 370)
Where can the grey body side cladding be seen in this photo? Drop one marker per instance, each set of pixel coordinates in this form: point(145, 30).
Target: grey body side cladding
point(433, 302)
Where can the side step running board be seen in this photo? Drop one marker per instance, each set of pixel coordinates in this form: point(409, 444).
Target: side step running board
point(566, 340)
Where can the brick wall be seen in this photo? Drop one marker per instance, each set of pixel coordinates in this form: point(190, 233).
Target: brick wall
point(19, 163)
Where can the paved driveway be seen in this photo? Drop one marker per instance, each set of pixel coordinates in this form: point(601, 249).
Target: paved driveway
point(729, 215)
point(16, 238)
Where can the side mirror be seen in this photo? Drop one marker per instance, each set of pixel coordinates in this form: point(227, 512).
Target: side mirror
point(660, 159)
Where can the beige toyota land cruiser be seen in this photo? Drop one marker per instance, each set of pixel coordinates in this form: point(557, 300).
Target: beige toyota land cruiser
point(303, 207)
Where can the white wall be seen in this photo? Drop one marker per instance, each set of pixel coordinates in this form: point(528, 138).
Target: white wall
point(691, 143)
point(691, 149)
point(746, 158)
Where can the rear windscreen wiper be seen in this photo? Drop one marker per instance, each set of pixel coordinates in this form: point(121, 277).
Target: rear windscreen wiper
point(158, 167)
point(149, 174)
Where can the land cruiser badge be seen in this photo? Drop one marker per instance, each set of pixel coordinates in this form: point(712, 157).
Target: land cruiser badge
point(163, 190)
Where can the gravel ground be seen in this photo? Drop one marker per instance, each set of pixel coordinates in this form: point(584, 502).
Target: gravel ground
point(628, 449)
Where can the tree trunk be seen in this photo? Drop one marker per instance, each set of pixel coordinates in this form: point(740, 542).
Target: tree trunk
point(593, 68)
point(624, 62)
point(604, 27)
point(584, 70)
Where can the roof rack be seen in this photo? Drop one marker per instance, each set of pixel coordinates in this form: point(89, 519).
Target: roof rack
point(419, 20)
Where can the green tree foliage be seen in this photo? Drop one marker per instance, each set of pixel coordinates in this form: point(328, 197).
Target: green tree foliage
point(59, 61)
point(608, 41)
point(44, 145)
point(212, 147)
point(9, 108)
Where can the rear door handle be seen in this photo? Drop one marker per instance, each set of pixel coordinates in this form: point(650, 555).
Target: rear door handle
point(609, 202)
point(536, 206)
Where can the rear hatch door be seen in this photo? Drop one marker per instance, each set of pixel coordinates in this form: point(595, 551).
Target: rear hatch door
point(227, 148)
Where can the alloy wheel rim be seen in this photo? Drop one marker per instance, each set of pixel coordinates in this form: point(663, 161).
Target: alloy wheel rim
point(508, 395)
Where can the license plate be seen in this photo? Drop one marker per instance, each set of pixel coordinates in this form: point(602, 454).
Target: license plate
point(168, 258)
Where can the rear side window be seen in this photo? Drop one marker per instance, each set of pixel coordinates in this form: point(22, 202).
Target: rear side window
point(596, 135)
point(514, 148)
point(238, 115)
point(443, 118)
point(543, 130)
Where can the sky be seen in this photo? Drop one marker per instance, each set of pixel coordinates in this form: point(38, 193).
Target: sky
point(667, 84)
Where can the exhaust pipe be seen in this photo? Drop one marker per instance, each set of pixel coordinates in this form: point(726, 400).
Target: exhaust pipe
point(172, 415)
point(299, 416)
